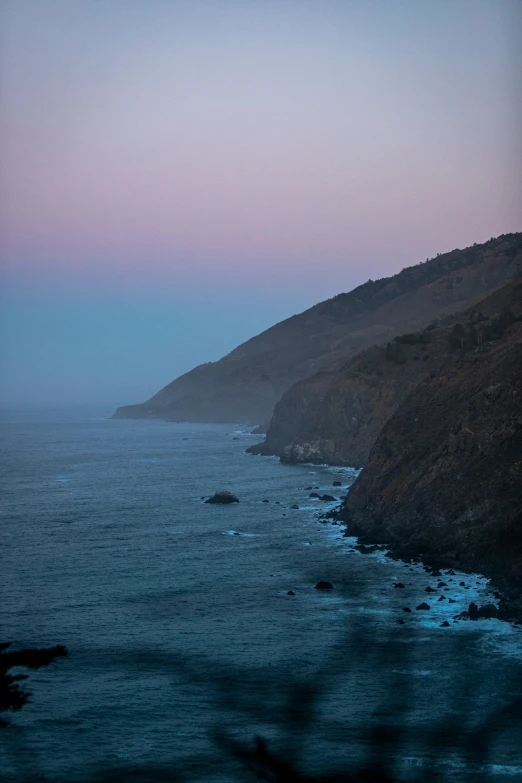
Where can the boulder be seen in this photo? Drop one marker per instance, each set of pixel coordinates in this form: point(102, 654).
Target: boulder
point(423, 607)
point(336, 484)
point(328, 498)
point(314, 495)
point(322, 585)
point(366, 550)
point(445, 624)
point(442, 598)
point(430, 589)
point(294, 506)
point(487, 612)
point(290, 592)
point(223, 496)
point(451, 601)
point(405, 609)
point(398, 584)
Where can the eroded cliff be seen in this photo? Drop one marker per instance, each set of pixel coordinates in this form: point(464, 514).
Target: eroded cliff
point(444, 478)
point(335, 417)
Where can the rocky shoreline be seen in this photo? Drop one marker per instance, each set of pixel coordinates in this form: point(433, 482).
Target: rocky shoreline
point(506, 593)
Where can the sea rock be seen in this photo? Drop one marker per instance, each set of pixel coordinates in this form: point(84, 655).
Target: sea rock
point(307, 489)
point(235, 438)
point(442, 584)
point(314, 495)
point(423, 606)
point(336, 484)
point(290, 592)
point(445, 624)
point(223, 496)
point(430, 589)
point(405, 609)
point(323, 585)
point(265, 501)
point(398, 584)
point(487, 612)
point(451, 601)
point(442, 598)
point(328, 498)
point(294, 506)
point(366, 550)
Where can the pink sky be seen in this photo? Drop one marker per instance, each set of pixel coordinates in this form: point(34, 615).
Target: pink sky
point(305, 145)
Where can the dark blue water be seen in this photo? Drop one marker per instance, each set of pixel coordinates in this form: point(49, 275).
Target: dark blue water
point(177, 621)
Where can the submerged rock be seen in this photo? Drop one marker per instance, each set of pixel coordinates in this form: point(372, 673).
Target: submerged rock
point(294, 506)
point(223, 496)
point(323, 585)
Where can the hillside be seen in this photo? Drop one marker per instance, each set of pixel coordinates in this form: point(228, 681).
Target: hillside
point(335, 417)
point(245, 385)
point(444, 478)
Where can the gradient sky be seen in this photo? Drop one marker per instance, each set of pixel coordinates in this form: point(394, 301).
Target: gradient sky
point(177, 175)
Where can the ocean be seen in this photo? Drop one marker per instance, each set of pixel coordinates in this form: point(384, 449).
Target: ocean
point(183, 642)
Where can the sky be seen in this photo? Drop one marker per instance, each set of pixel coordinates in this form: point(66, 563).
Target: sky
point(178, 175)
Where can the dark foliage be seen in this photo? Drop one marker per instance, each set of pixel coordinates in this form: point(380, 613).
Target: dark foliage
point(12, 697)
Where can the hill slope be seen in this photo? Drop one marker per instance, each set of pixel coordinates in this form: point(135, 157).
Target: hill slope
point(245, 385)
point(335, 417)
point(444, 478)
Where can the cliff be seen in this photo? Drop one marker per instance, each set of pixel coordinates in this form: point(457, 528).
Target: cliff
point(335, 417)
point(246, 384)
point(444, 478)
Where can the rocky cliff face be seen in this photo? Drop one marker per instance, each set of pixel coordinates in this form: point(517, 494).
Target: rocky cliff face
point(335, 417)
point(247, 383)
point(444, 478)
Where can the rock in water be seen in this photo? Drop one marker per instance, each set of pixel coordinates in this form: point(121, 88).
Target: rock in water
point(423, 606)
point(322, 585)
point(336, 484)
point(328, 498)
point(223, 496)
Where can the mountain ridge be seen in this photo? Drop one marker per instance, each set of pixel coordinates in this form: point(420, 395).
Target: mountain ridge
point(245, 385)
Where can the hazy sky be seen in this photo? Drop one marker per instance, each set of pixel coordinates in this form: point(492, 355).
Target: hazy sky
point(177, 175)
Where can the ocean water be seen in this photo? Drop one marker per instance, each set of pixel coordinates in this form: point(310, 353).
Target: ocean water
point(183, 641)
